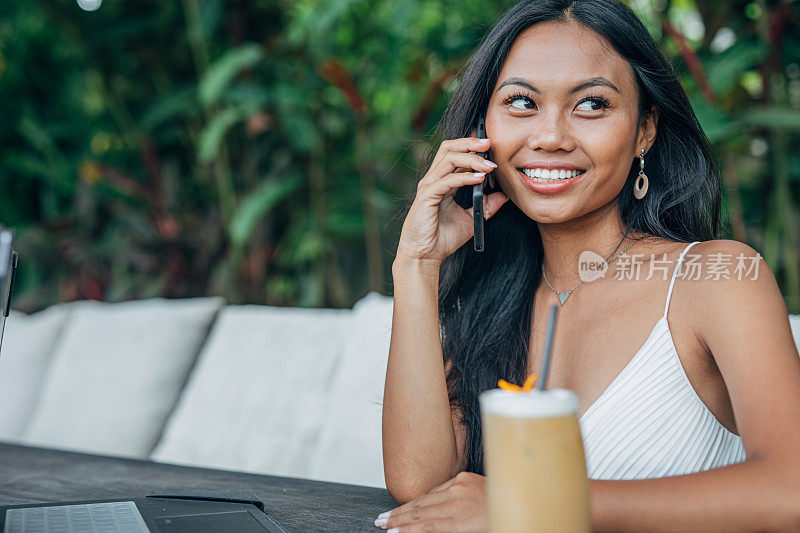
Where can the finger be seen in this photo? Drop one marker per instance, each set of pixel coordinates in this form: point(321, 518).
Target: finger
point(435, 524)
point(443, 486)
point(463, 144)
point(452, 192)
point(468, 160)
point(454, 161)
point(491, 205)
point(441, 187)
point(416, 515)
point(419, 502)
point(495, 201)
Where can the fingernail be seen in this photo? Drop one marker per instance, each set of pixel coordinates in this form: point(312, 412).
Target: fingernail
point(493, 165)
point(484, 141)
point(393, 530)
point(381, 521)
point(479, 174)
point(385, 515)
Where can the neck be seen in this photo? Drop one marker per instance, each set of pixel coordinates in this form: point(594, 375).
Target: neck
point(601, 231)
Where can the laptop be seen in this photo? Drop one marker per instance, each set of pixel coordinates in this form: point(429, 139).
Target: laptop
point(195, 511)
point(8, 268)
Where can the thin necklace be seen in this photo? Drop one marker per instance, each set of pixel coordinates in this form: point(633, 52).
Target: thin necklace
point(562, 296)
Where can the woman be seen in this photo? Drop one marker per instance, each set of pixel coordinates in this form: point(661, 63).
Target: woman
point(691, 421)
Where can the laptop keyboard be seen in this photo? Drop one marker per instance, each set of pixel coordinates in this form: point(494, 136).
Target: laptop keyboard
point(112, 517)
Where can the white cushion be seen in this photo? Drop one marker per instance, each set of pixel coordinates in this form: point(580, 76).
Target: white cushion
point(350, 449)
point(117, 374)
point(260, 391)
point(28, 344)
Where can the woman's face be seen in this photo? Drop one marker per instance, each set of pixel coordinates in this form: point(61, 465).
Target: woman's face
point(564, 97)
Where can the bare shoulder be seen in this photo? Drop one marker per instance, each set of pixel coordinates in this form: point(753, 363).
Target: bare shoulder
point(724, 246)
point(717, 246)
point(741, 318)
point(727, 267)
point(733, 289)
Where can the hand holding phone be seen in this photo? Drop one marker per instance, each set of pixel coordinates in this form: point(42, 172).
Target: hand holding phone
point(436, 226)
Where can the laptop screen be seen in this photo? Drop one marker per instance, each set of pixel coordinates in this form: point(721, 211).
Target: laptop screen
point(8, 267)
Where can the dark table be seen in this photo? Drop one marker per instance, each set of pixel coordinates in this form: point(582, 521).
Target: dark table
point(36, 475)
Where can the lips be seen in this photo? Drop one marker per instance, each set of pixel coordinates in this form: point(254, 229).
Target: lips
point(549, 188)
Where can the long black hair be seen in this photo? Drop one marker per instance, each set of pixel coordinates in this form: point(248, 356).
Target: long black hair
point(486, 299)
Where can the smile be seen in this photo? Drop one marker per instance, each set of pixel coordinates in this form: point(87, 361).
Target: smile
point(549, 182)
point(544, 175)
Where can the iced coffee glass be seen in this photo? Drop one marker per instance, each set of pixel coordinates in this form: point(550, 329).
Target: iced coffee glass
point(534, 462)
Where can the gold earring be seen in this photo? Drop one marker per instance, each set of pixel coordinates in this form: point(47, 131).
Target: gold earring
point(641, 183)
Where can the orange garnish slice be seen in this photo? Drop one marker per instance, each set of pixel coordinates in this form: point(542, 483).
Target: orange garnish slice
point(505, 385)
point(528, 385)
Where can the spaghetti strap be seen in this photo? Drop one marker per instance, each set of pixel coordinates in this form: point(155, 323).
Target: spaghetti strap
point(674, 272)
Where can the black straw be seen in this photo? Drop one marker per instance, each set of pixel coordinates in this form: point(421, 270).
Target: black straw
point(548, 344)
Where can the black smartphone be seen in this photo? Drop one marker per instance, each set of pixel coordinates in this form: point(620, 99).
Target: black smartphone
point(477, 190)
point(8, 268)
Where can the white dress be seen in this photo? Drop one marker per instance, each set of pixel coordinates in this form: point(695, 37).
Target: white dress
point(650, 422)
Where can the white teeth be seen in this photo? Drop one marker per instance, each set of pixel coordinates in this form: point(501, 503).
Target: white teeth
point(545, 175)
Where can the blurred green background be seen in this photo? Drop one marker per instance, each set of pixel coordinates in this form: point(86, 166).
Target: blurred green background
point(262, 149)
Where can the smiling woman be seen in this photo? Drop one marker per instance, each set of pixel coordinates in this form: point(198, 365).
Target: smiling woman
point(594, 147)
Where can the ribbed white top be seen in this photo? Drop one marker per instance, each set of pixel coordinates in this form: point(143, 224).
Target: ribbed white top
point(650, 422)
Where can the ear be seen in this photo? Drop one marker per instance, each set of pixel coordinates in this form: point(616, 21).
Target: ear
point(647, 132)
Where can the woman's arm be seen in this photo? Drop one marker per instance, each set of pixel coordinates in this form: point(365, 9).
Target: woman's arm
point(753, 496)
point(419, 442)
point(744, 325)
point(420, 445)
point(756, 495)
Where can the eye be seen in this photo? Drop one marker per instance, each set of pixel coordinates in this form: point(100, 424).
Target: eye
point(515, 99)
point(598, 101)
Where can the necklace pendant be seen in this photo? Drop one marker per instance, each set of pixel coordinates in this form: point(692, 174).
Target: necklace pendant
point(562, 296)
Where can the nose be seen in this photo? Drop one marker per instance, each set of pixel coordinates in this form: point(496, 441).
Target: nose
point(550, 132)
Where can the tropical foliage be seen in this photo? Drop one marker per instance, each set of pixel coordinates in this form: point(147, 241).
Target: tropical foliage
point(262, 149)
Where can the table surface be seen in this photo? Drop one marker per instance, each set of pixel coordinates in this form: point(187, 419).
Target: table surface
point(36, 475)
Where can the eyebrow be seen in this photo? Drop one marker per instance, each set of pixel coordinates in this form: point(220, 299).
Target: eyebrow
point(591, 82)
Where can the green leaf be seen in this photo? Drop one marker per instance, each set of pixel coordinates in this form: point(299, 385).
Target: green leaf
point(57, 175)
point(210, 13)
point(211, 137)
point(770, 117)
point(223, 70)
point(259, 203)
point(250, 97)
point(346, 224)
point(714, 121)
point(174, 104)
point(300, 130)
point(724, 70)
point(301, 244)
